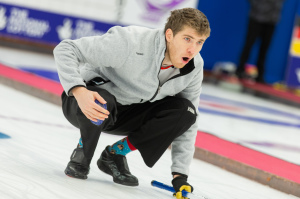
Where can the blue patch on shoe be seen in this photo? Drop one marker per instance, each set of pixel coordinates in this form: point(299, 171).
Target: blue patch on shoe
point(99, 122)
point(4, 136)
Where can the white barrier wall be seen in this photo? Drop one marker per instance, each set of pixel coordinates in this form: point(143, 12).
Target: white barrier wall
point(90, 9)
point(151, 13)
point(50, 21)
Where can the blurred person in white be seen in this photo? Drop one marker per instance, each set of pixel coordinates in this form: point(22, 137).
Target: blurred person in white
point(263, 17)
point(141, 83)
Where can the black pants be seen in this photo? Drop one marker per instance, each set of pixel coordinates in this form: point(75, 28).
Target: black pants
point(255, 30)
point(151, 127)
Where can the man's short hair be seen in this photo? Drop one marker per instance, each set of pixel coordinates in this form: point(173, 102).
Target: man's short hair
point(191, 17)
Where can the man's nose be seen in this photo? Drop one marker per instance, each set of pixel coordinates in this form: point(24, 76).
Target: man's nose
point(191, 49)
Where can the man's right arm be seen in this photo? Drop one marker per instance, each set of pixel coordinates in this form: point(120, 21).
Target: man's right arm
point(97, 51)
point(67, 58)
point(69, 54)
point(108, 50)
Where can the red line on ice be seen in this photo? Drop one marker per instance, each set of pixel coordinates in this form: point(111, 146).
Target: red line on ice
point(31, 80)
point(248, 156)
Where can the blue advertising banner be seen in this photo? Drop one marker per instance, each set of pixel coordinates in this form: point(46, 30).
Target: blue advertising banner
point(293, 78)
point(46, 27)
point(293, 68)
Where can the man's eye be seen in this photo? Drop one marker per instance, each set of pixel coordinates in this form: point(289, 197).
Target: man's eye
point(187, 39)
point(199, 42)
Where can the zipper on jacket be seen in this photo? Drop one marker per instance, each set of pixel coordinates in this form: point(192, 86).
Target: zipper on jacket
point(157, 91)
point(159, 86)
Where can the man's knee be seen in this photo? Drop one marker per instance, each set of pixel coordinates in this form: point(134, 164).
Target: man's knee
point(184, 115)
point(188, 110)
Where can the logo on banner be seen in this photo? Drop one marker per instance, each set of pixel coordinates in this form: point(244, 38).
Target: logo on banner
point(295, 45)
point(65, 31)
point(82, 29)
point(20, 23)
point(3, 19)
point(157, 8)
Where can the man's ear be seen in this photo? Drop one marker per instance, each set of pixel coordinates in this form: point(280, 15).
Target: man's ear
point(169, 35)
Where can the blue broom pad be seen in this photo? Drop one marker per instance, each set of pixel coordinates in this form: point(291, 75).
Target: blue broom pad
point(4, 136)
point(99, 122)
point(168, 188)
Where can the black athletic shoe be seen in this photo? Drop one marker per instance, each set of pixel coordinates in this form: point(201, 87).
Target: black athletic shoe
point(117, 167)
point(78, 167)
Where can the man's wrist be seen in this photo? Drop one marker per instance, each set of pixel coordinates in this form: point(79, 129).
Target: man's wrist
point(77, 90)
point(176, 174)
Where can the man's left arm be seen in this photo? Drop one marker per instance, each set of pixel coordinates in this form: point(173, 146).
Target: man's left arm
point(183, 147)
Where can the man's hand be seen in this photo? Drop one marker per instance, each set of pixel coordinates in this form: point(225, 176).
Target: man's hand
point(180, 183)
point(86, 102)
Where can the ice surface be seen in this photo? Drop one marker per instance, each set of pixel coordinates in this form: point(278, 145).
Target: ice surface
point(42, 140)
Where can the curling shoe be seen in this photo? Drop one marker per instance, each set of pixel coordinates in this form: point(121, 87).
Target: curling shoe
point(116, 166)
point(78, 167)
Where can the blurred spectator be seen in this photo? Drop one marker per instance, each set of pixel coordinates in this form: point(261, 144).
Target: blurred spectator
point(263, 17)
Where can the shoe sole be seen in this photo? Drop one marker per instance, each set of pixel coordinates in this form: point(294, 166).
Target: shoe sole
point(106, 170)
point(72, 175)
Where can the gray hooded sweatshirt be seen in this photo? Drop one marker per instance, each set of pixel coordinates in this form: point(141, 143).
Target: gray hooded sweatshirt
point(129, 60)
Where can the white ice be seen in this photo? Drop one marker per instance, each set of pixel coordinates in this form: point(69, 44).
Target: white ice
point(33, 161)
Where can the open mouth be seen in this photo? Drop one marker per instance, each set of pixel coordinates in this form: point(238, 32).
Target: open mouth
point(185, 59)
